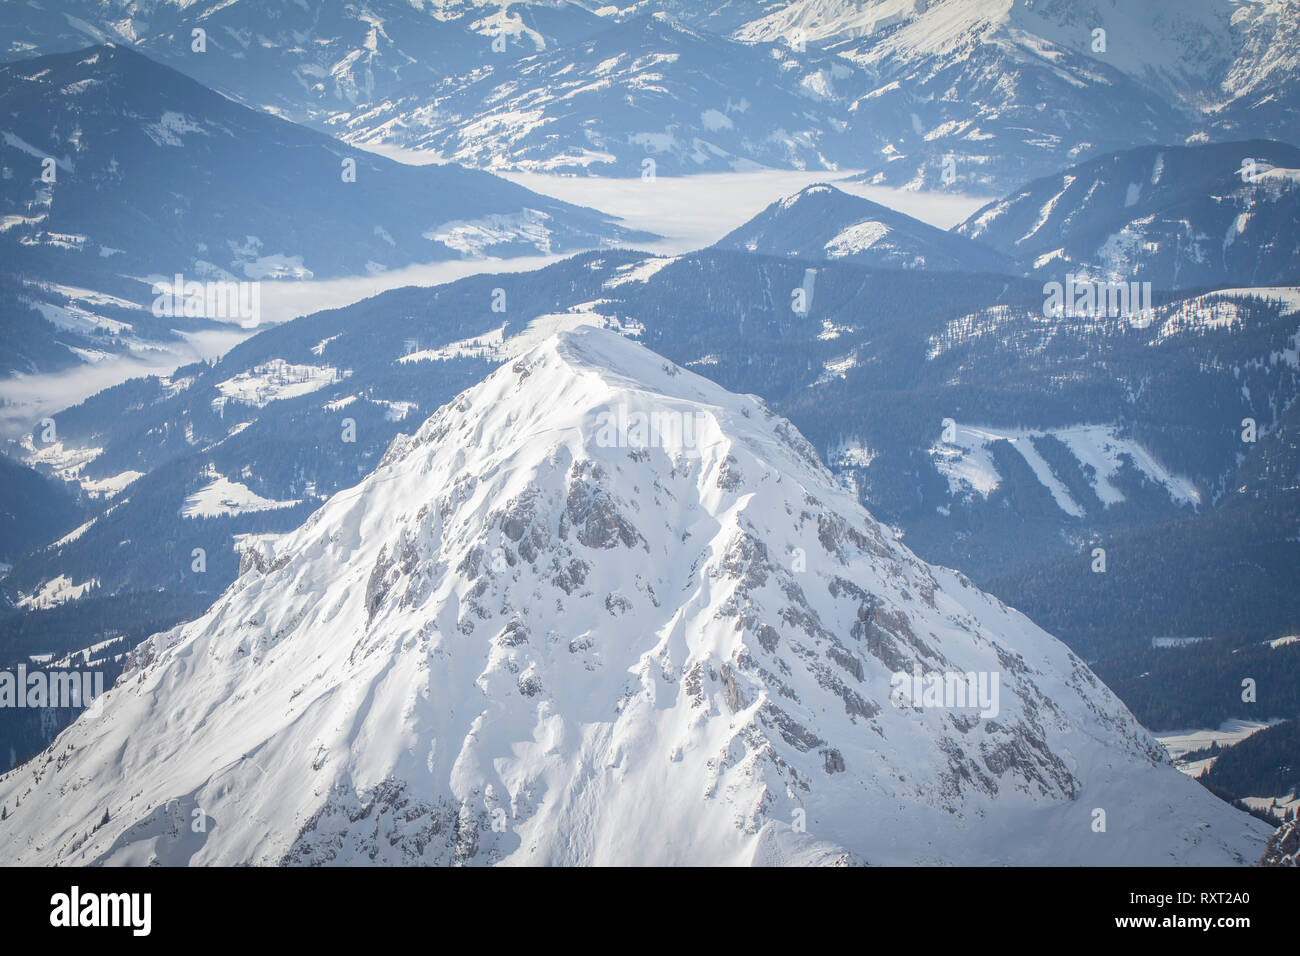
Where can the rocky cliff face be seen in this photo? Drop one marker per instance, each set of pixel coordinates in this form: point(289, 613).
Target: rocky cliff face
point(1284, 845)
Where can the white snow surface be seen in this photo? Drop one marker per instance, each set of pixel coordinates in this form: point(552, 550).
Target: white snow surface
point(221, 496)
point(56, 591)
point(278, 380)
point(613, 653)
point(1180, 743)
point(968, 464)
point(474, 238)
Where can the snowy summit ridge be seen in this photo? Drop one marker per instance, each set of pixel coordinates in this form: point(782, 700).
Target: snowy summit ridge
point(521, 641)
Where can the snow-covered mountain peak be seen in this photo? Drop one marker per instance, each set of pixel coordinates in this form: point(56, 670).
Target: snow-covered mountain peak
point(597, 610)
point(581, 373)
point(1199, 53)
point(929, 27)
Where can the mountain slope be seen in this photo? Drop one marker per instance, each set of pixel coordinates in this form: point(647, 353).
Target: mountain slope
point(1007, 89)
point(29, 342)
point(154, 171)
point(1177, 217)
point(1226, 65)
point(821, 222)
point(648, 88)
point(1283, 846)
point(453, 663)
point(963, 87)
point(1062, 430)
point(156, 176)
point(1175, 47)
point(1261, 99)
point(269, 414)
point(34, 510)
point(302, 61)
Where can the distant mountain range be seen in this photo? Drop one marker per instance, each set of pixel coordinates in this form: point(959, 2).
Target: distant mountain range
point(254, 50)
point(974, 95)
point(1224, 68)
point(120, 173)
point(1178, 217)
point(648, 89)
